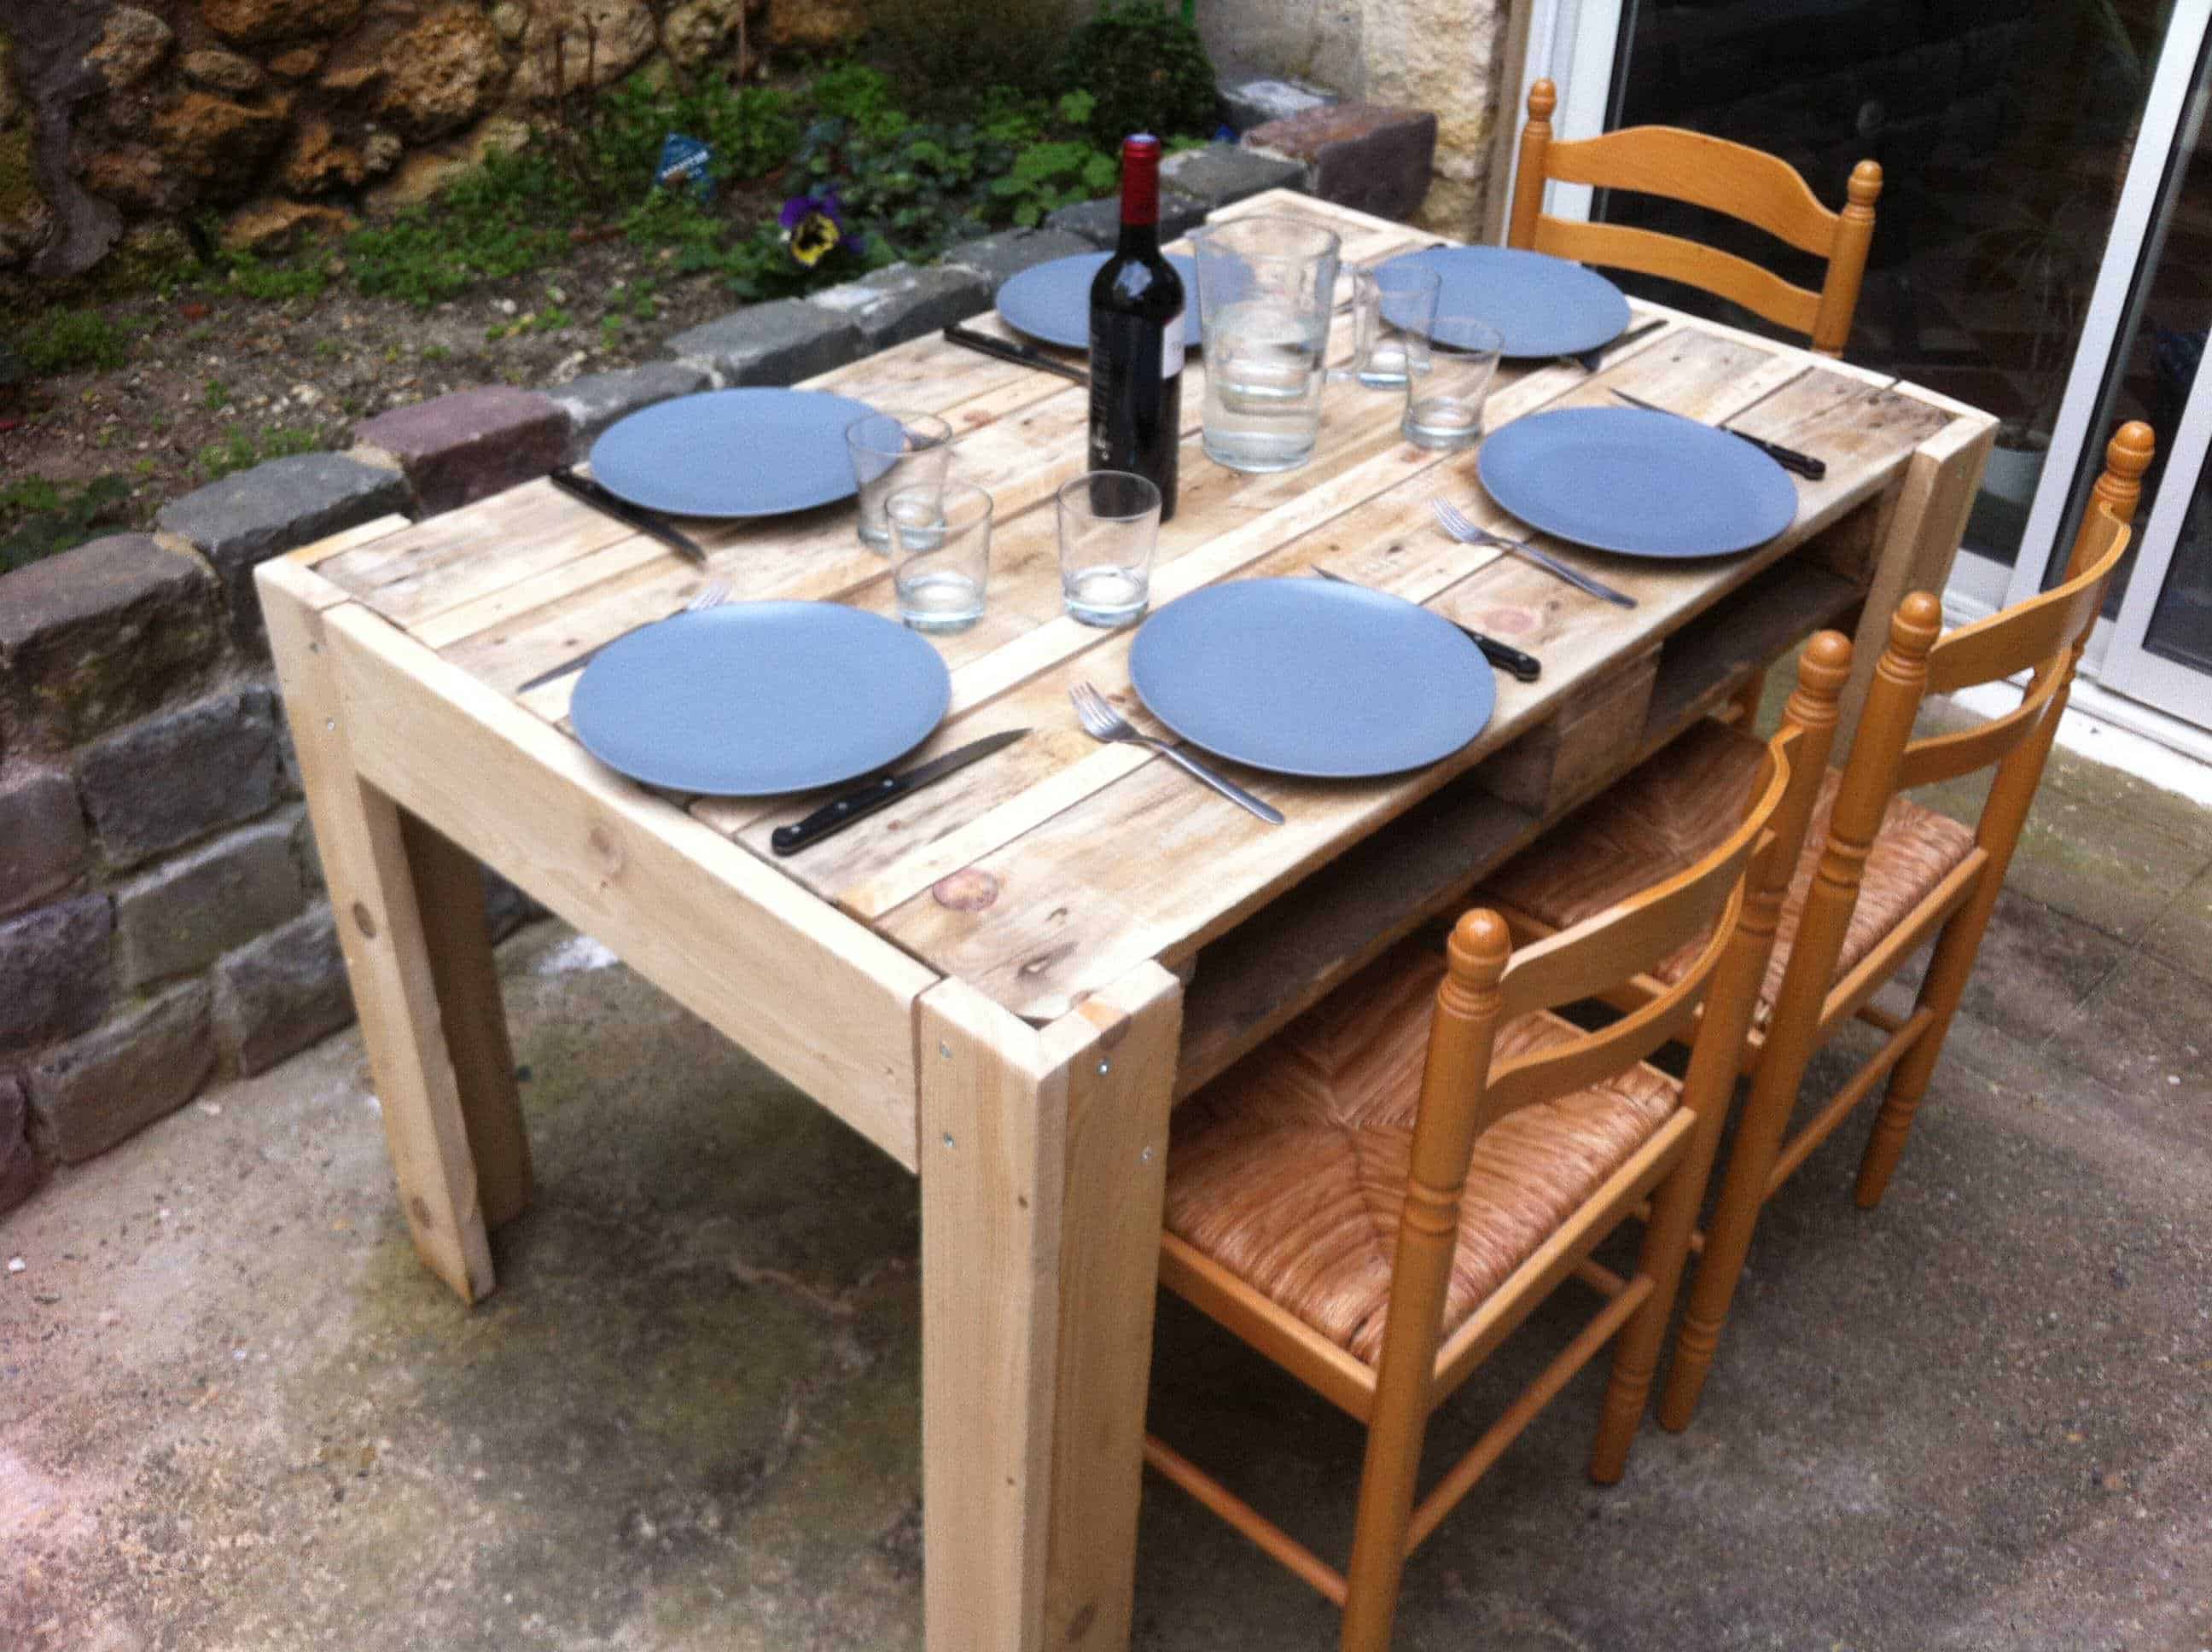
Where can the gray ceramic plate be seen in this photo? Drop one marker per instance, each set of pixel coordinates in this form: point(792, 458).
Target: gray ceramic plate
point(1051, 302)
point(1540, 305)
point(732, 453)
point(1307, 677)
point(759, 698)
point(1644, 484)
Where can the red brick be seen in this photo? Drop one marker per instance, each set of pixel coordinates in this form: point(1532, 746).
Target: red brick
point(1365, 155)
point(458, 448)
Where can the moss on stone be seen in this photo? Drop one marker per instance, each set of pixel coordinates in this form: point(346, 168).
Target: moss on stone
point(19, 191)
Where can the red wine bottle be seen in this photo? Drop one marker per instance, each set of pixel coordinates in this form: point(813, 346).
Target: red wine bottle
point(1137, 337)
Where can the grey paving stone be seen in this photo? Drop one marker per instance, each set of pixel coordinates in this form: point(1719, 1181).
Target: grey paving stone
point(186, 914)
point(54, 972)
point(775, 344)
point(42, 842)
point(470, 445)
point(279, 994)
point(181, 774)
point(1099, 222)
point(1249, 100)
point(1368, 156)
point(141, 1067)
point(997, 258)
point(99, 635)
point(243, 521)
point(19, 1164)
point(1221, 172)
point(892, 305)
point(595, 402)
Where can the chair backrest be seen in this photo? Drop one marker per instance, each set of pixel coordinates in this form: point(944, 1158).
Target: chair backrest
point(2045, 634)
point(1745, 183)
point(1488, 985)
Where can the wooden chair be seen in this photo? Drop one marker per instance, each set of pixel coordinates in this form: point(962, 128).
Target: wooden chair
point(1878, 877)
point(1378, 1196)
point(1745, 183)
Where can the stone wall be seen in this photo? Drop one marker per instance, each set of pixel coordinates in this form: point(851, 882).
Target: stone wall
point(290, 114)
point(162, 916)
point(1440, 55)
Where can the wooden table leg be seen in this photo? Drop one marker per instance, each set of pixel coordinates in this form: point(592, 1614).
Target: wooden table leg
point(419, 960)
point(1920, 542)
point(1043, 1166)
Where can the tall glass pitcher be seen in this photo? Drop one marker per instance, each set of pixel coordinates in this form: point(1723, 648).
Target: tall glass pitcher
point(1266, 286)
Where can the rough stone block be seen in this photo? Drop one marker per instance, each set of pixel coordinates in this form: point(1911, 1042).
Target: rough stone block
point(458, 448)
point(1099, 222)
point(1220, 173)
point(997, 258)
point(592, 404)
point(893, 305)
point(179, 775)
point(277, 995)
point(1249, 100)
point(54, 971)
point(775, 344)
point(19, 1165)
point(243, 521)
point(42, 843)
point(185, 915)
point(99, 635)
point(1364, 155)
point(140, 1067)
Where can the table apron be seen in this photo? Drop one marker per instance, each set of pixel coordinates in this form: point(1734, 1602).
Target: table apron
point(827, 1004)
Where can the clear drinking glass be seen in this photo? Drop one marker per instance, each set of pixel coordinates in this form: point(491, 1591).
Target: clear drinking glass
point(1393, 310)
point(1109, 522)
point(890, 451)
point(1443, 406)
point(1266, 286)
point(940, 554)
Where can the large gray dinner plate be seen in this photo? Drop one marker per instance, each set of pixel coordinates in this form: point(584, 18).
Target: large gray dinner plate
point(1311, 678)
point(760, 697)
point(1540, 305)
point(1644, 484)
point(732, 453)
point(1052, 301)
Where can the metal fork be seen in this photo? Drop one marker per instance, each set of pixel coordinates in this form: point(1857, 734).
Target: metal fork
point(1457, 523)
point(1102, 722)
point(712, 594)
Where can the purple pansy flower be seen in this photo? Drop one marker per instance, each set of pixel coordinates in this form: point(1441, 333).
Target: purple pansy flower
point(814, 225)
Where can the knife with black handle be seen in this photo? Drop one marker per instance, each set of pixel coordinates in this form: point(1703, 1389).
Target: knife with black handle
point(1504, 656)
point(863, 800)
point(1788, 459)
point(603, 500)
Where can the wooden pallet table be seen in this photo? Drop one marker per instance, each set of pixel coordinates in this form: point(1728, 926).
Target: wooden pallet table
point(1004, 982)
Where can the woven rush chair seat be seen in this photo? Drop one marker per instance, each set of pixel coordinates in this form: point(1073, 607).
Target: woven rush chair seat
point(1291, 1169)
point(1674, 808)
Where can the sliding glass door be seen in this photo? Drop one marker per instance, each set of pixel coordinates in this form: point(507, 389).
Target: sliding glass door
point(2039, 251)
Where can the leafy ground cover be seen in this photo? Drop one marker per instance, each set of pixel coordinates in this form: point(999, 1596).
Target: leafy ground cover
point(559, 258)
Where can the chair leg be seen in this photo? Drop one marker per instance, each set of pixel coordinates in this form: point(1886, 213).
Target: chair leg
point(1728, 1238)
point(1635, 1355)
point(1940, 992)
point(1379, 1538)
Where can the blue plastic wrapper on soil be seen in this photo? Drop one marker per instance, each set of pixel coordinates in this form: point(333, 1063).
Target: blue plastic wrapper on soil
point(686, 158)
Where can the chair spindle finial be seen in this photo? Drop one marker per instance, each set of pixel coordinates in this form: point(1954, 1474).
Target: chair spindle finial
point(2127, 457)
point(1864, 189)
point(1543, 98)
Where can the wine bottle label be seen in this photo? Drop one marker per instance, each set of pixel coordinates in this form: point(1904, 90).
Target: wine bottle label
point(1172, 346)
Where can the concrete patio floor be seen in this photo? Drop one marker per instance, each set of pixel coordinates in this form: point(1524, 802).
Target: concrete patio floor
point(235, 1414)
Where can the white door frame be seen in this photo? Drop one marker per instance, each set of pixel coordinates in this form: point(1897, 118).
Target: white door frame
point(1577, 44)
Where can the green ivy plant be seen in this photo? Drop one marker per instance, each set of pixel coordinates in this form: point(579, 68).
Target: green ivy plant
point(1147, 70)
